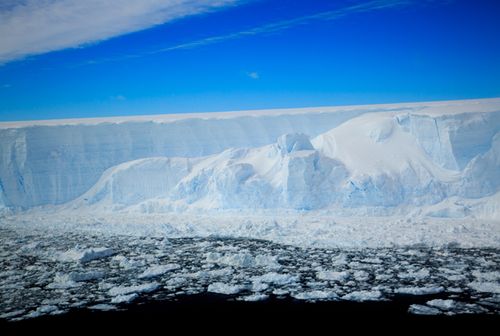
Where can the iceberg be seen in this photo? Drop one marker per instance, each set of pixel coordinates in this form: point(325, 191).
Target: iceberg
point(413, 160)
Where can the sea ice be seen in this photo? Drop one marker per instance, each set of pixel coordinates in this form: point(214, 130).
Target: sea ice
point(374, 295)
point(333, 275)
point(276, 278)
point(419, 290)
point(157, 270)
point(144, 288)
point(224, 288)
point(442, 304)
point(418, 309)
point(127, 298)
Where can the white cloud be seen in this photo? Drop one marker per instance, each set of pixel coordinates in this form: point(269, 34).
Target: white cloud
point(253, 75)
point(119, 97)
point(29, 27)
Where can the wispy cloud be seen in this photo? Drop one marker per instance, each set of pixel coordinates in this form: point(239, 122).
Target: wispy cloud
point(119, 98)
point(359, 7)
point(29, 27)
point(253, 75)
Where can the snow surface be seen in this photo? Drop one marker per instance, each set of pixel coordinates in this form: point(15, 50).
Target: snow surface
point(379, 175)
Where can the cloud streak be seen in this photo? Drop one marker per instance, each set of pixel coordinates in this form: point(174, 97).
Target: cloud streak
point(30, 27)
point(360, 7)
point(253, 75)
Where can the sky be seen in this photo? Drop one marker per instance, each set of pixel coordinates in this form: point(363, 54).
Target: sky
point(93, 58)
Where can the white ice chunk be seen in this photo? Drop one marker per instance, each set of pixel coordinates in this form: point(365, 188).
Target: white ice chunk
point(258, 286)
point(420, 274)
point(419, 290)
point(255, 297)
point(224, 288)
point(485, 287)
point(86, 276)
point(157, 270)
point(86, 255)
point(442, 304)
point(45, 309)
point(127, 298)
point(276, 278)
point(423, 310)
point(103, 307)
point(486, 276)
point(374, 295)
point(316, 295)
point(144, 288)
point(333, 275)
point(62, 281)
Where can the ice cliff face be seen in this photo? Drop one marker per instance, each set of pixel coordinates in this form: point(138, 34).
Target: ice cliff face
point(53, 164)
point(352, 158)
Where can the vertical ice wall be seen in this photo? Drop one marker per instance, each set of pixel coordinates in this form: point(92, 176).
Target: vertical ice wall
point(54, 164)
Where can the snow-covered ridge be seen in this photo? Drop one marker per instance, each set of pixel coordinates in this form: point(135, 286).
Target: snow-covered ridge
point(424, 108)
point(365, 158)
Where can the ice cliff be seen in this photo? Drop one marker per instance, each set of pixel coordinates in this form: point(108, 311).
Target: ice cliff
point(442, 158)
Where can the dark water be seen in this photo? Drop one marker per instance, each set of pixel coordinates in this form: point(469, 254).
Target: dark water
point(220, 314)
point(43, 286)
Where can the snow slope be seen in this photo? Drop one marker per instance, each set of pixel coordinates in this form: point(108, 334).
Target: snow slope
point(420, 158)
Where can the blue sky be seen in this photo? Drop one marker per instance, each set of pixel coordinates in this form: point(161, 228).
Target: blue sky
point(164, 56)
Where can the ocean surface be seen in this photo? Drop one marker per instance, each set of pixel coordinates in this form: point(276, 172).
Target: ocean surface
point(82, 279)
